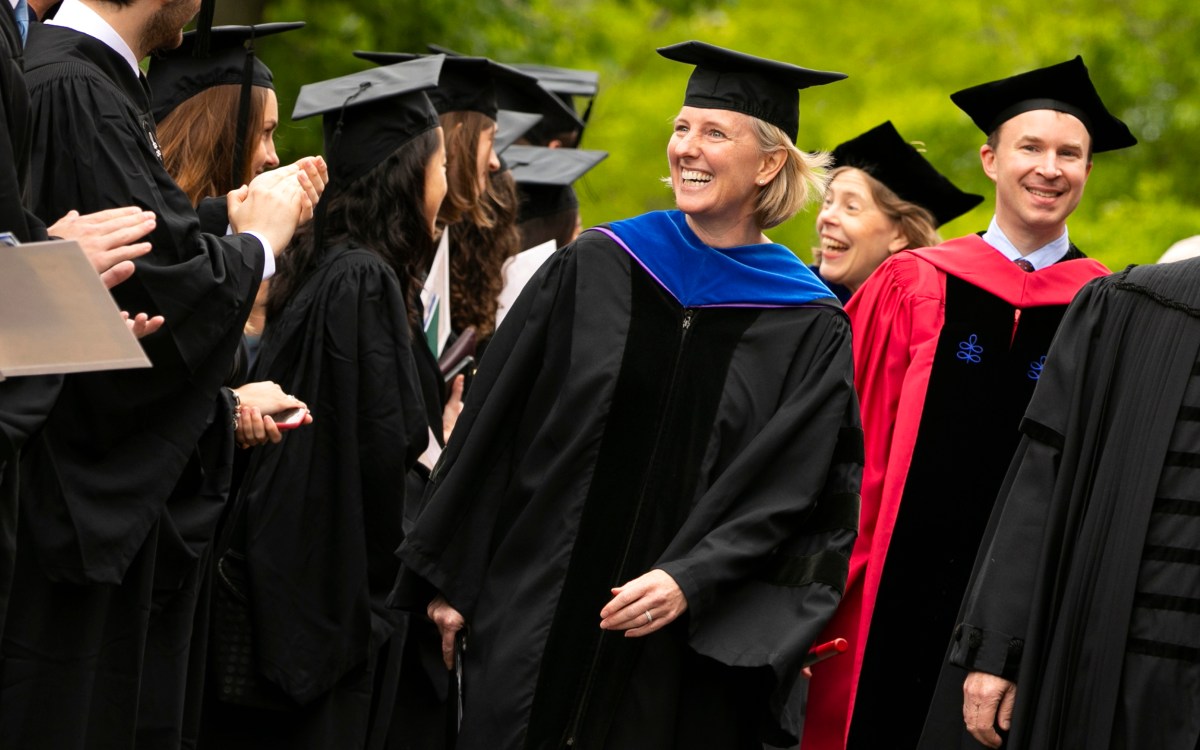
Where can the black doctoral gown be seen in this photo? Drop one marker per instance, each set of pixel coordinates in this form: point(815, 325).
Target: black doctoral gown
point(24, 402)
point(98, 538)
point(1085, 590)
point(610, 431)
point(321, 515)
point(980, 354)
point(14, 137)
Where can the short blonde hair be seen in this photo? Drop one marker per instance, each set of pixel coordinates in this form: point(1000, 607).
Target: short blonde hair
point(801, 180)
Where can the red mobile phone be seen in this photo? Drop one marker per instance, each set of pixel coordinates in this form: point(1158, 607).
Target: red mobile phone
point(289, 419)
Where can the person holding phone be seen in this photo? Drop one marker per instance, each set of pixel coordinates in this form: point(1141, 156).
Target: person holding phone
point(644, 515)
point(318, 517)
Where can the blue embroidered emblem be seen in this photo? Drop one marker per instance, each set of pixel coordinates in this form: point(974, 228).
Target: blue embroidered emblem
point(1035, 368)
point(969, 350)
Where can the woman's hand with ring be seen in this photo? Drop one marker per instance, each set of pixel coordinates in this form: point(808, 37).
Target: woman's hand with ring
point(644, 605)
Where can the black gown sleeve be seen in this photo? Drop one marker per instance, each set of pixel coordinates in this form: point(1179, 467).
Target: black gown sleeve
point(213, 215)
point(996, 609)
point(514, 386)
point(117, 443)
point(991, 635)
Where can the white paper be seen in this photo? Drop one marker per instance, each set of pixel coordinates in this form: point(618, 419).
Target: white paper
point(435, 297)
point(517, 272)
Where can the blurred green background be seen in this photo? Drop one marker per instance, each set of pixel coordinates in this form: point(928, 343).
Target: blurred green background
point(903, 59)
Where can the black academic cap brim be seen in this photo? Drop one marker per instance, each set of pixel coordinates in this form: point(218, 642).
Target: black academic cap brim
point(528, 95)
point(882, 153)
point(510, 126)
point(564, 81)
point(1065, 87)
point(536, 165)
point(370, 114)
point(544, 177)
point(562, 84)
point(467, 84)
point(179, 74)
point(755, 86)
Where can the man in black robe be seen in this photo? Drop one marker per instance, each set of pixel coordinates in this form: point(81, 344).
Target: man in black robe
point(24, 402)
point(948, 344)
point(1083, 610)
point(96, 534)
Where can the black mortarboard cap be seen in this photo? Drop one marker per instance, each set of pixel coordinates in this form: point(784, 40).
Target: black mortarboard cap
point(545, 175)
point(536, 165)
point(552, 96)
point(755, 86)
point(510, 126)
point(559, 81)
point(223, 55)
point(1065, 87)
point(883, 154)
point(177, 75)
point(468, 84)
point(527, 95)
point(370, 114)
point(566, 84)
point(563, 81)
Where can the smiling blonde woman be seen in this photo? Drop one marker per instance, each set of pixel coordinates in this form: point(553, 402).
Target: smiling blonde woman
point(644, 516)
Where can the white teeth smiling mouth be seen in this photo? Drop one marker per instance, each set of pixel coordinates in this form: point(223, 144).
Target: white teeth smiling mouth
point(831, 244)
point(1044, 193)
point(691, 175)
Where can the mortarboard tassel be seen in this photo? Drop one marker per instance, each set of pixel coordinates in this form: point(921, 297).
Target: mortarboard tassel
point(243, 116)
point(319, 213)
point(204, 22)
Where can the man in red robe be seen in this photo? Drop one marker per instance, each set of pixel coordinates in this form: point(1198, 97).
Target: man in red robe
point(949, 343)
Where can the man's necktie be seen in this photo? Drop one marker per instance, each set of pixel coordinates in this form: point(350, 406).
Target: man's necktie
point(1024, 265)
point(21, 11)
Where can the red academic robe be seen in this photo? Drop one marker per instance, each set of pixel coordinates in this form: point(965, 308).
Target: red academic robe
point(897, 317)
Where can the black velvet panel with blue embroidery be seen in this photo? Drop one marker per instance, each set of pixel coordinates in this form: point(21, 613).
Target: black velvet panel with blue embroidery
point(988, 360)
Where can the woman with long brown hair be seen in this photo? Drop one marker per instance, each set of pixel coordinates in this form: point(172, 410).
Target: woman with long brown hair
point(216, 114)
point(216, 117)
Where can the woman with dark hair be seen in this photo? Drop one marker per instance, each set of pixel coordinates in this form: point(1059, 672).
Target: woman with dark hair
point(304, 654)
point(644, 515)
point(883, 197)
point(481, 209)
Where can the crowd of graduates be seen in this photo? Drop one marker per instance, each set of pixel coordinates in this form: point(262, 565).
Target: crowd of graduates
point(421, 462)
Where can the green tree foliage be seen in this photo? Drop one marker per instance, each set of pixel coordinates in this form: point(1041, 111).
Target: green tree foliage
point(903, 60)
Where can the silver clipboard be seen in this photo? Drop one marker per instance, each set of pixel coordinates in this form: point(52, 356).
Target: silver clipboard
point(57, 317)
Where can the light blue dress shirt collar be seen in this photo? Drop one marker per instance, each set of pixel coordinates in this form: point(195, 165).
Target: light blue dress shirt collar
point(1046, 255)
